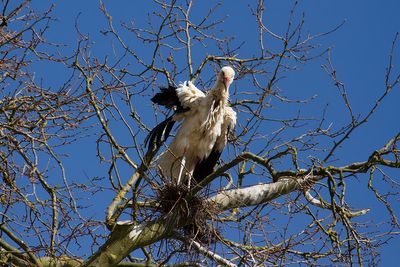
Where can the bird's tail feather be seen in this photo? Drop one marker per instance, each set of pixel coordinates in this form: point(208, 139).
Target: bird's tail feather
point(159, 134)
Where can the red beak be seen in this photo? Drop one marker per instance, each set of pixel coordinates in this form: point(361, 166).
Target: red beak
point(226, 82)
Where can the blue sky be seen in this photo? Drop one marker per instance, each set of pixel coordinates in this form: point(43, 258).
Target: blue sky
point(359, 52)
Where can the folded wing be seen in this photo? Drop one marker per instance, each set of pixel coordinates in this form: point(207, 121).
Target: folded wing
point(206, 166)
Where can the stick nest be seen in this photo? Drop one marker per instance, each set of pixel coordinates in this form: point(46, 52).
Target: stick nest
point(191, 209)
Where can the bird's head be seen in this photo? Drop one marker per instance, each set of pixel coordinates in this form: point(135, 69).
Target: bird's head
point(226, 76)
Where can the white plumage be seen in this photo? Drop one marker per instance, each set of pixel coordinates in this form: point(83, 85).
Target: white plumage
point(206, 122)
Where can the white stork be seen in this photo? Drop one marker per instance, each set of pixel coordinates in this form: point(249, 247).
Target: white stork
point(206, 122)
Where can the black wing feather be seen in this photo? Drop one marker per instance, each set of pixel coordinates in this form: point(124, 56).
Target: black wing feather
point(159, 134)
point(166, 97)
point(206, 166)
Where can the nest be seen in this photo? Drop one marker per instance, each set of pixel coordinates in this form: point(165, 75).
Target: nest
point(191, 209)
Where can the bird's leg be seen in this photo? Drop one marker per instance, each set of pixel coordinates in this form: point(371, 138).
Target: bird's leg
point(189, 179)
point(183, 162)
point(191, 173)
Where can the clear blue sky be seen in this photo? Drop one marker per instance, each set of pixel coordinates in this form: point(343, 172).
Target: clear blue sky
point(359, 52)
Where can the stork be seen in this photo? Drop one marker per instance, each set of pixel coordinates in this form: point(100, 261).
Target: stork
point(206, 121)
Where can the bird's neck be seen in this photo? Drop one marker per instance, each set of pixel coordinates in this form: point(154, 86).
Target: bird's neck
point(218, 92)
